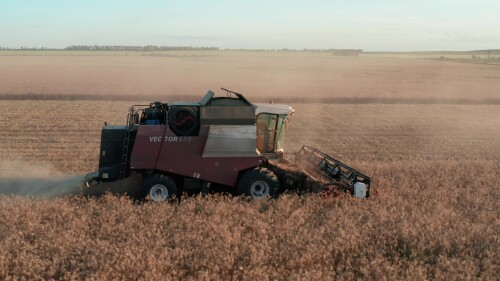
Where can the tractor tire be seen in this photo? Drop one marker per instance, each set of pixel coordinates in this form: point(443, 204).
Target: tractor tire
point(258, 183)
point(159, 188)
point(183, 121)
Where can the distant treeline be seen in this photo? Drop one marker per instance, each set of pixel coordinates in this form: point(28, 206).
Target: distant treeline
point(485, 52)
point(148, 48)
point(115, 48)
point(337, 52)
point(28, 48)
point(346, 52)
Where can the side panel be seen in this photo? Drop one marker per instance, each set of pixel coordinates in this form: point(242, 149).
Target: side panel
point(147, 146)
point(110, 155)
point(231, 141)
point(183, 155)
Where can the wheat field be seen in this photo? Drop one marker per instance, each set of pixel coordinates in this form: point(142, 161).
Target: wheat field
point(282, 76)
point(435, 166)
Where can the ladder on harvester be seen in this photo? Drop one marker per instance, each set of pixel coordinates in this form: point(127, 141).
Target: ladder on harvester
point(126, 144)
point(124, 163)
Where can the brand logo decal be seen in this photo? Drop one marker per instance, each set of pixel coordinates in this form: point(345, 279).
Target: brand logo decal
point(169, 139)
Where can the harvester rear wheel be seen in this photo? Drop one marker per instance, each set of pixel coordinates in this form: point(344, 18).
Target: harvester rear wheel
point(159, 188)
point(258, 183)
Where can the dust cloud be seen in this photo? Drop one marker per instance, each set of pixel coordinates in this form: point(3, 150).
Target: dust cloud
point(19, 178)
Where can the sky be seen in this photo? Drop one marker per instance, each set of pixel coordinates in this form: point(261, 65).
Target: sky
point(383, 25)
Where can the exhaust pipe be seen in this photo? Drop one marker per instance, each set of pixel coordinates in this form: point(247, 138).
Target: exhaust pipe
point(91, 178)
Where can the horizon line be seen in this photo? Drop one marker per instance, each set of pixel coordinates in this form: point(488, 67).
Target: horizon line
point(215, 48)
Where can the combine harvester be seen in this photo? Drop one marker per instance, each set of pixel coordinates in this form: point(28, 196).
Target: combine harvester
point(218, 143)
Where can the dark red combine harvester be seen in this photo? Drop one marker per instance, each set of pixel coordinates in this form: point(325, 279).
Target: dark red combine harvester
point(218, 143)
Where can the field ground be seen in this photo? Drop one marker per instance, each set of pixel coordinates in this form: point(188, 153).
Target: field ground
point(283, 76)
point(436, 166)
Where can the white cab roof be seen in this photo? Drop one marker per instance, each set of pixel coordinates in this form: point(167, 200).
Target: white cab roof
point(273, 108)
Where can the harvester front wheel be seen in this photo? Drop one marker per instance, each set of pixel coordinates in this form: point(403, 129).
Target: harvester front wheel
point(159, 188)
point(258, 183)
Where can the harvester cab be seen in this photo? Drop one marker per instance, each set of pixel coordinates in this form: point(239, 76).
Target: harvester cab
point(271, 121)
point(220, 142)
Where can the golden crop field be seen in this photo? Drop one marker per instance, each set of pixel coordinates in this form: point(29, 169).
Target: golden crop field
point(283, 76)
point(427, 132)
